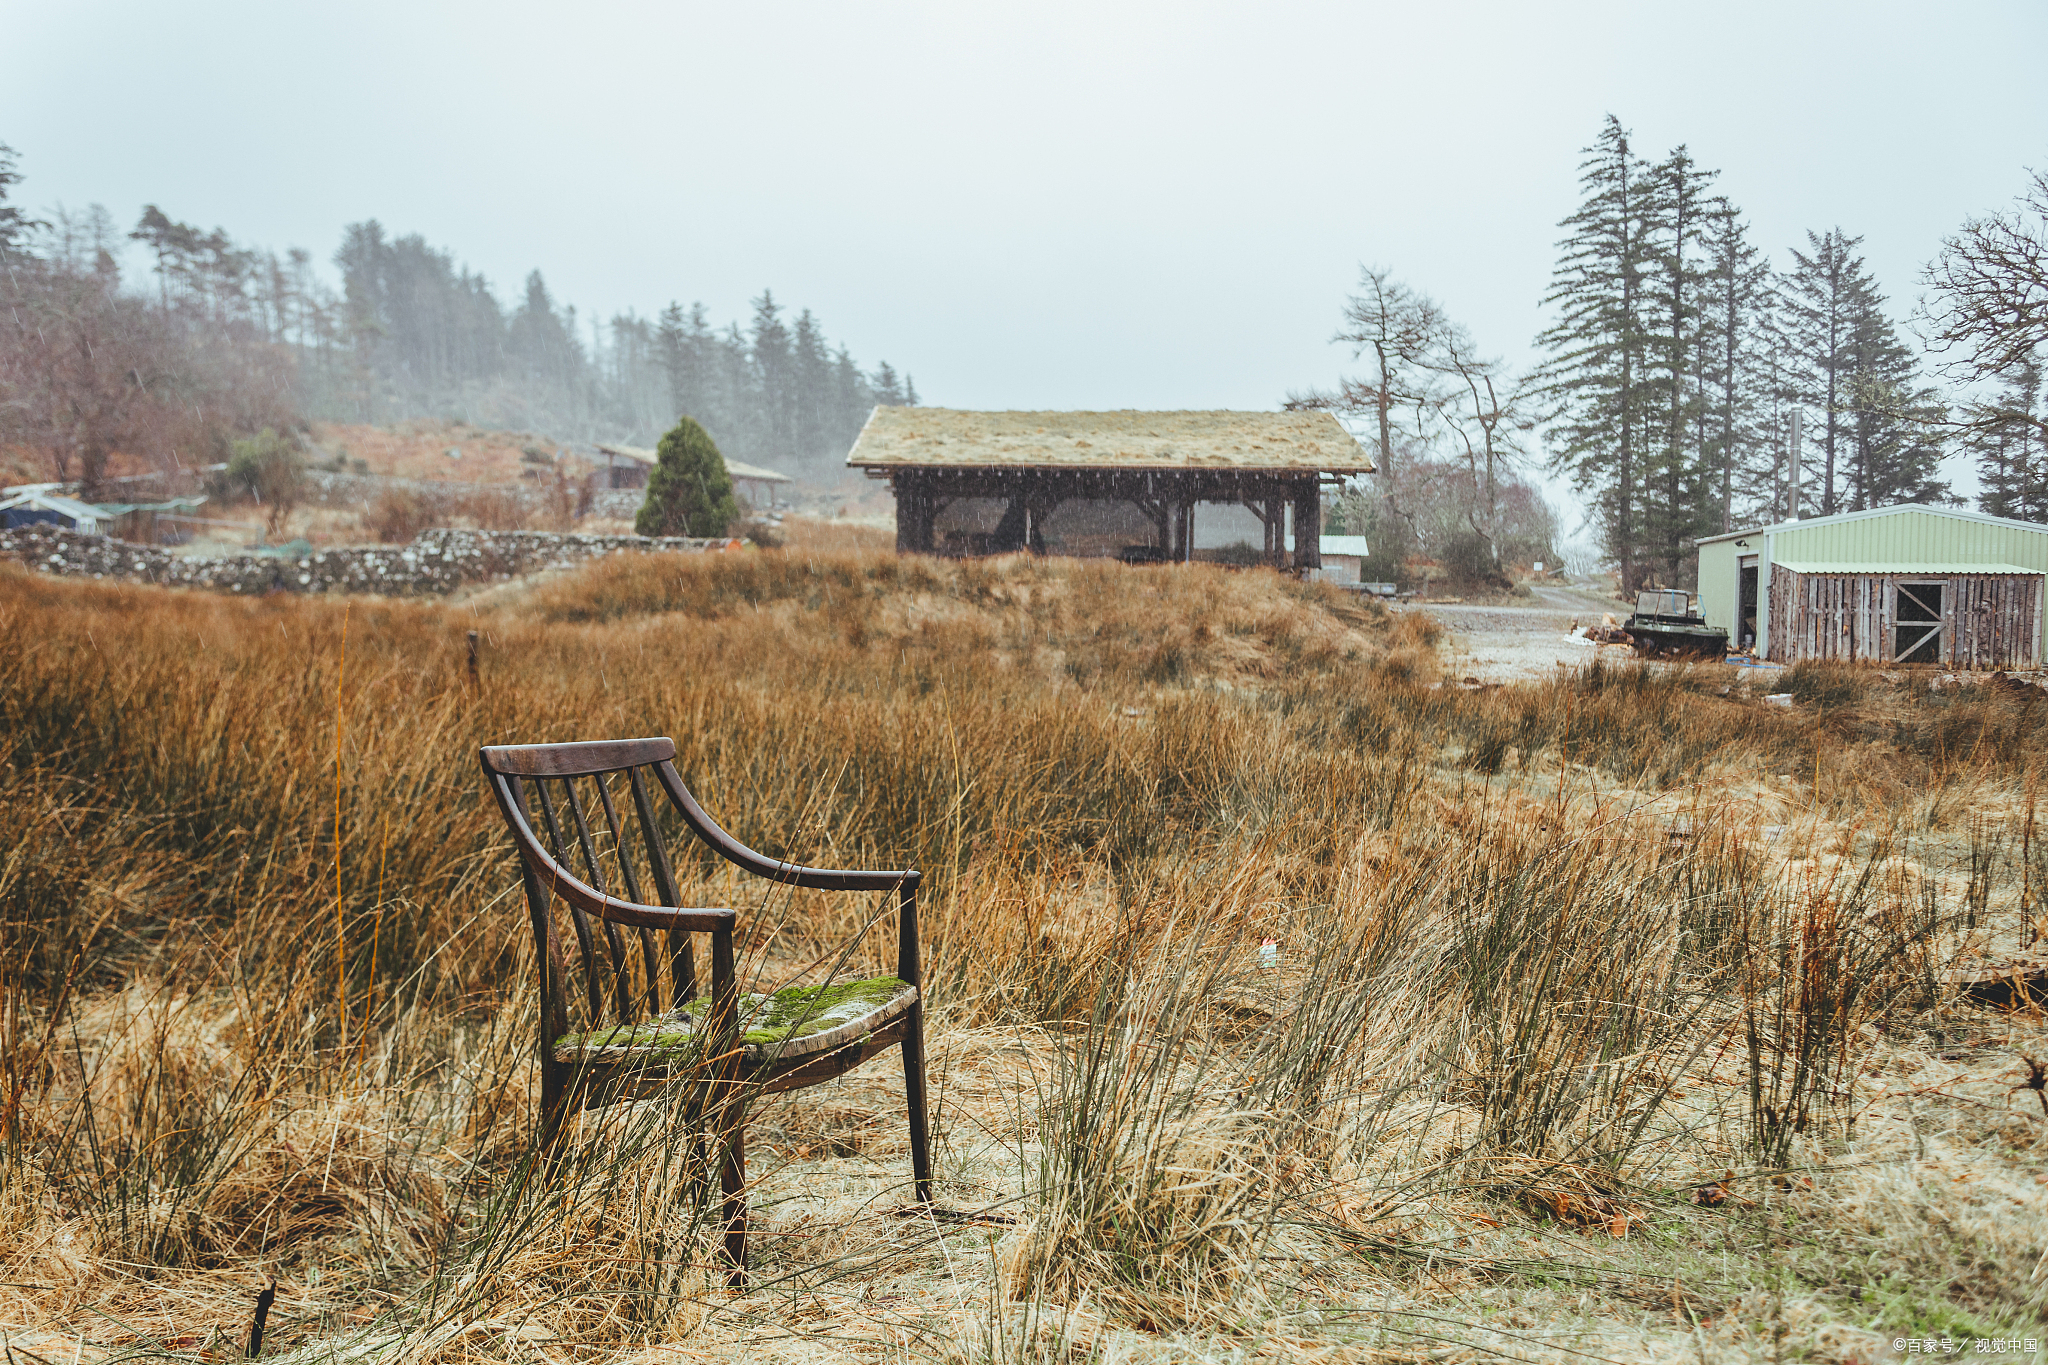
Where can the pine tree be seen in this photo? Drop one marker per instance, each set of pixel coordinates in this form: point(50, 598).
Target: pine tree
point(1593, 383)
point(2012, 453)
point(1895, 425)
point(887, 387)
point(16, 227)
point(775, 366)
point(1737, 444)
point(1822, 293)
point(1678, 503)
point(689, 492)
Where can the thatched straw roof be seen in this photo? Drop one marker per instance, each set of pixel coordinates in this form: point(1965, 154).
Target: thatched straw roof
point(897, 437)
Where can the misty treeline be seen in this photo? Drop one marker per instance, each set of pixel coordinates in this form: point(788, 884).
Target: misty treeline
point(214, 340)
point(89, 366)
point(1677, 356)
point(1673, 366)
point(414, 334)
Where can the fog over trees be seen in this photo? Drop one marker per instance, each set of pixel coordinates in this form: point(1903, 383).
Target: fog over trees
point(1677, 355)
point(213, 340)
point(415, 334)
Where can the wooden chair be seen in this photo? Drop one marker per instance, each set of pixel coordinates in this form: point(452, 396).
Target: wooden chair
point(632, 1041)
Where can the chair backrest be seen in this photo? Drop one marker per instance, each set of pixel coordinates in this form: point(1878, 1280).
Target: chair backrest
point(586, 823)
point(580, 852)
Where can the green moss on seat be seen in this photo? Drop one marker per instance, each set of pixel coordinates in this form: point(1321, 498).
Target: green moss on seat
point(663, 1037)
point(769, 1020)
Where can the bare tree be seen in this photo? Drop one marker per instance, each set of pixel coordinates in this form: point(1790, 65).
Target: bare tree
point(1482, 415)
point(1393, 325)
point(1989, 309)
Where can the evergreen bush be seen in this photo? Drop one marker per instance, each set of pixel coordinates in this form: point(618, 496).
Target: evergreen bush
point(689, 492)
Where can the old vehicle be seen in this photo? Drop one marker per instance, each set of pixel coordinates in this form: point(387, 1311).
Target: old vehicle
point(1666, 626)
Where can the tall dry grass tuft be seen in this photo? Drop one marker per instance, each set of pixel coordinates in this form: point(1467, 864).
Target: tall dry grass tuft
point(1497, 974)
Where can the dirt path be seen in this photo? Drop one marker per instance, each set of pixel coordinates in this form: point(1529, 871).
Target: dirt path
point(1518, 643)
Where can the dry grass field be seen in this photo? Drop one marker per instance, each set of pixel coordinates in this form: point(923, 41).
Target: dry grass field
point(1609, 1019)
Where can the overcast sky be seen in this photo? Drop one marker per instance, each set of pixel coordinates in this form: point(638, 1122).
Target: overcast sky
point(1049, 205)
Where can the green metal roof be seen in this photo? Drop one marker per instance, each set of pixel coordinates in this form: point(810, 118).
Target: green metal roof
point(1904, 509)
point(1894, 567)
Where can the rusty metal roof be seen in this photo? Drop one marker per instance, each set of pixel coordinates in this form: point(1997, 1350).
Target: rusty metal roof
point(899, 437)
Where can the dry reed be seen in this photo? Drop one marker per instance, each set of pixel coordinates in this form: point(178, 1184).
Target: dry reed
point(1502, 986)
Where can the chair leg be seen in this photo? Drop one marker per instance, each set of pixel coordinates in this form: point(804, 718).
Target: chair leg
point(732, 1180)
point(554, 1108)
point(913, 1093)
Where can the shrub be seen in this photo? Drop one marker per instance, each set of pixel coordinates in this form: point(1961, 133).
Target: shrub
point(268, 468)
point(689, 492)
point(1468, 557)
point(397, 516)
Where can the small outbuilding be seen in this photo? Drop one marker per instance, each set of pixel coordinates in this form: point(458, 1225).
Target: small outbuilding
point(629, 466)
point(40, 503)
point(1111, 483)
point(1344, 559)
point(1897, 585)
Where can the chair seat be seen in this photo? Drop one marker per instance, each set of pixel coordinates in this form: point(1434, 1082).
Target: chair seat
point(793, 1023)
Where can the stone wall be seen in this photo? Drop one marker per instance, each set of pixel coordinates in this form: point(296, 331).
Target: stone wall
point(617, 502)
point(435, 562)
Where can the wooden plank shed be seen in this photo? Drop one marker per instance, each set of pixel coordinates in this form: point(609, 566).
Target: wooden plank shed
point(1160, 463)
point(1896, 585)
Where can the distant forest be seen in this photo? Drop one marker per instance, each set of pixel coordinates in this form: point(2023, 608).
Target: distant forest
point(414, 334)
point(214, 339)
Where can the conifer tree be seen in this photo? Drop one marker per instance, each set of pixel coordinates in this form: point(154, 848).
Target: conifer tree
point(1678, 503)
point(888, 388)
point(689, 492)
point(1895, 424)
point(2012, 453)
point(1823, 293)
point(16, 227)
point(1593, 385)
point(1737, 444)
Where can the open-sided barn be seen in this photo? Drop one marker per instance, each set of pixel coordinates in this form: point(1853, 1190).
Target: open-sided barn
point(1158, 465)
point(1897, 585)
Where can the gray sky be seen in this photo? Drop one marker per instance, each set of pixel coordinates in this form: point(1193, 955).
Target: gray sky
point(1055, 205)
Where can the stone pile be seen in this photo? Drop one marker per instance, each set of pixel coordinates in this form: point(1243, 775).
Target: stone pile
point(435, 562)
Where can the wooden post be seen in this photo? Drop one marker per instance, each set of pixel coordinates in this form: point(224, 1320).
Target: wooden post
point(1308, 524)
point(914, 515)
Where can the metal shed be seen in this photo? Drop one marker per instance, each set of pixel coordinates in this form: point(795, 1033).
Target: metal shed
point(1913, 584)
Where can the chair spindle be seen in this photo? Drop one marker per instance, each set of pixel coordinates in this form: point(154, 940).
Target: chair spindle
point(682, 958)
point(623, 851)
point(621, 973)
point(593, 974)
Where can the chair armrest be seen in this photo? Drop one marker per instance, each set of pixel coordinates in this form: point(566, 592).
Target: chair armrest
point(774, 869)
point(573, 889)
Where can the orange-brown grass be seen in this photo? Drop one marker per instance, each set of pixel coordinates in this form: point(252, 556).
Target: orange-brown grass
point(1511, 1009)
